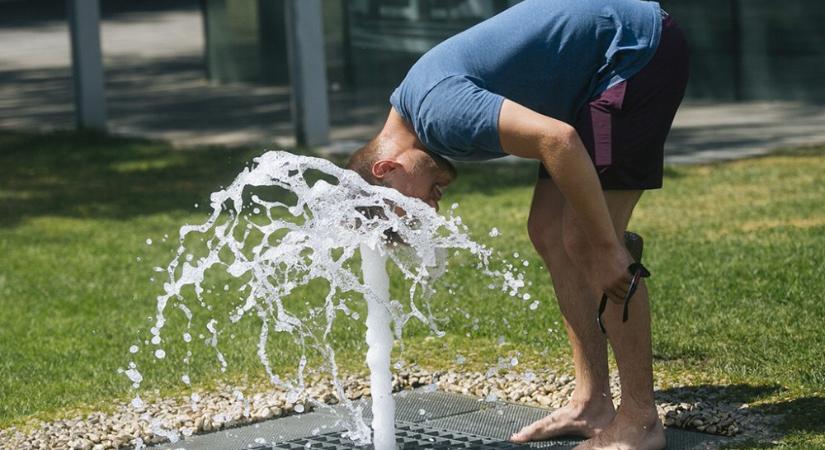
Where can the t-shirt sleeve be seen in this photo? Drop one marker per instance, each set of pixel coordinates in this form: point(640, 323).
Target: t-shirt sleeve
point(459, 119)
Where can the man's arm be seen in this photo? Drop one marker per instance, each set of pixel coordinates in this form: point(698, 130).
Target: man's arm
point(528, 134)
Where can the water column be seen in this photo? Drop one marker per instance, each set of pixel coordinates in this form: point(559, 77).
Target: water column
point(379, 340)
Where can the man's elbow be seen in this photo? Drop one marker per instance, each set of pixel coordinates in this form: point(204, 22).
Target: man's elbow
point(561, 137)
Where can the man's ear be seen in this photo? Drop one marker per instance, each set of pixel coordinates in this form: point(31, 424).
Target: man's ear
point(382, 167)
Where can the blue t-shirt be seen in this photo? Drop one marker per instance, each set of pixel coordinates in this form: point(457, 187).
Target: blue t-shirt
point(552, 56)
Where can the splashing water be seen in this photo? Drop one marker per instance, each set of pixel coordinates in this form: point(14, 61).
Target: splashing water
point(274, 230)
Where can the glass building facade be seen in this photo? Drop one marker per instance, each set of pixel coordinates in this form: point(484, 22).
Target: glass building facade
point(740, 49)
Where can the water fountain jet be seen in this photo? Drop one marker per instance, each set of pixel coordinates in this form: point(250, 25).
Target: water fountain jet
point(288, 220)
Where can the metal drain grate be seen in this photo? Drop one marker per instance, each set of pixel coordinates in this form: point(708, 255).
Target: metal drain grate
point(407, 437)
point(424, 420)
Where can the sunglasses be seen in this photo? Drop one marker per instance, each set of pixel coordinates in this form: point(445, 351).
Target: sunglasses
point(638, 271)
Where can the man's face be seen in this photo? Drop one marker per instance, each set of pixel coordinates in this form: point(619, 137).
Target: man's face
point(422, 176)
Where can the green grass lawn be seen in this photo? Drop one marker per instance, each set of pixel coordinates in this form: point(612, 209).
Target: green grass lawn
point(737, 251)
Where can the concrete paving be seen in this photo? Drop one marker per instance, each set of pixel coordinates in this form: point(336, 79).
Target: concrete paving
point(156, 88)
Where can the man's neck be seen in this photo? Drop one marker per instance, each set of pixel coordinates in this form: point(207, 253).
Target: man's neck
point(400, 132)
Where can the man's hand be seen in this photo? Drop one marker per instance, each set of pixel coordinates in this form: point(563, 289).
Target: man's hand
point(614, 277)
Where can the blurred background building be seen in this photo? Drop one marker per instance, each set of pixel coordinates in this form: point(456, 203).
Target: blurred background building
point(741, 49)
point(232, 57)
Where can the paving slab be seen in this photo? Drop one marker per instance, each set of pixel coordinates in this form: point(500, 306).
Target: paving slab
point(424, 420)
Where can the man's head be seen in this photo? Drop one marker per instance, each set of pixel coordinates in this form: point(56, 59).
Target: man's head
point(397, 159)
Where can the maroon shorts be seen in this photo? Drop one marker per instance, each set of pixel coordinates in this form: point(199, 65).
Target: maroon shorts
point(625, 128)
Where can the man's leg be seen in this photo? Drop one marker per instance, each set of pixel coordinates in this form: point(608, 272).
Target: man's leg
point(591, 408)
point(636, 425)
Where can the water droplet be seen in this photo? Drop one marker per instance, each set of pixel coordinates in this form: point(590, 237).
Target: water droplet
point(529, 377)
point(133, 375)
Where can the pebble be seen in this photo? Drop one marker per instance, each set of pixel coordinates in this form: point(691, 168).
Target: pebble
point(225, 409)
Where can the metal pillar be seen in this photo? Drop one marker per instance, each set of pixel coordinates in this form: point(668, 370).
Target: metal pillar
point(307, 70)
point(87, 63)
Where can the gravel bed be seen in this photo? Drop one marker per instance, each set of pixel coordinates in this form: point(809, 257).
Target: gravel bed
point(153, 422)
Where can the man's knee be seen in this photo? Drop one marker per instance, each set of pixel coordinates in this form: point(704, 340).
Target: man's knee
point(544, 232)
point(575, 244)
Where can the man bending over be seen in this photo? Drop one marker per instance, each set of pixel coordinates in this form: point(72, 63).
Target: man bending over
point(589, 88)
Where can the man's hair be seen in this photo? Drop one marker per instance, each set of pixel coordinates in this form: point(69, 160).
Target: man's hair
point(362, 160)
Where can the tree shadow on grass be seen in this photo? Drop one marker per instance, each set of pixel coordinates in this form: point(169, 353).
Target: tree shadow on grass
point(84, 174)
point(94, 175)
point(802, 415)
point(734, 393)
point(492, 177)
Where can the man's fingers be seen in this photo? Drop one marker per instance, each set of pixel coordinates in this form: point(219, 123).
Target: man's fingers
point(618, 292)
point(616, 295)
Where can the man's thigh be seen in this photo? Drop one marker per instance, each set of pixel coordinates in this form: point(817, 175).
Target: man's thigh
point(549, 207)
point(620, 204)
point(546, 208)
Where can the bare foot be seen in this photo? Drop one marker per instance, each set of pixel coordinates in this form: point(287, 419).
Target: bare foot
point(628, 433)
point(574, 419)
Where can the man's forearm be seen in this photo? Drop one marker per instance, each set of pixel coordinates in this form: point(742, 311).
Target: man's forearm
point(528, 134)
point(574, 174)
